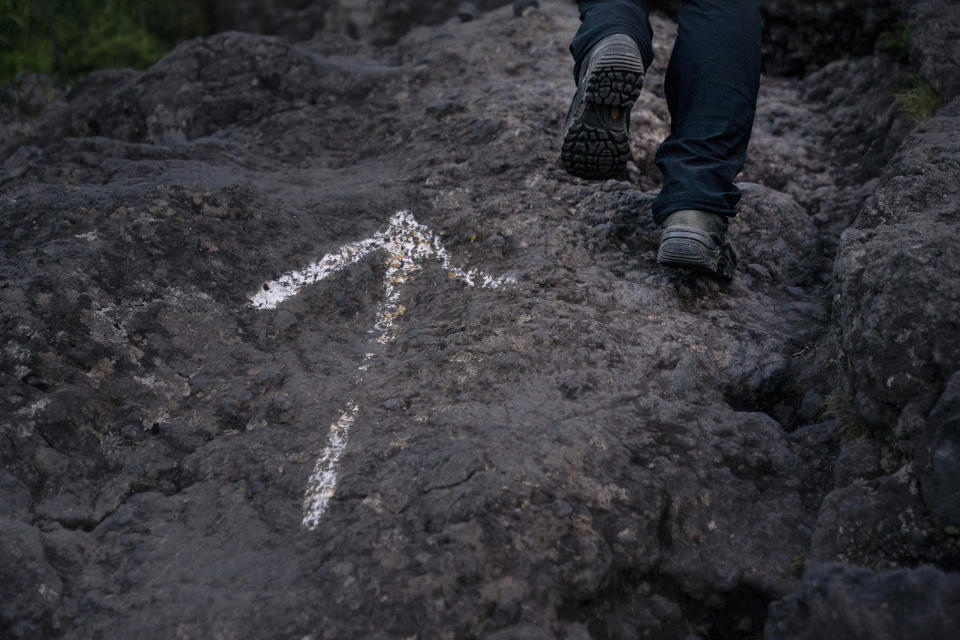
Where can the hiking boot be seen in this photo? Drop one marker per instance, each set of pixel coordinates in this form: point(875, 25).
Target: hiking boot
point(596, 134)
point(698, 240)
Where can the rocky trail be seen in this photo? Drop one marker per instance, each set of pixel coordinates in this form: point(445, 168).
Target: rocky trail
point(533, 430)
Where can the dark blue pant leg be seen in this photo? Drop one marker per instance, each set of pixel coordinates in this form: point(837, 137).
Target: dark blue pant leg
point(601, 18)
point(712, 83)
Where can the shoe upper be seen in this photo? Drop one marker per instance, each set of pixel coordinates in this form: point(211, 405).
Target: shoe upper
point(707, 221)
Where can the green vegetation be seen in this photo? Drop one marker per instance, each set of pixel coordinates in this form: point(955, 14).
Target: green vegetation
point(896, 41)
point(67, 38)
point(954, 534)
point(839, 407)
point(920, 101)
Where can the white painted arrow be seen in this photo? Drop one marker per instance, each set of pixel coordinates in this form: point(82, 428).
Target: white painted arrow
point(407, 243)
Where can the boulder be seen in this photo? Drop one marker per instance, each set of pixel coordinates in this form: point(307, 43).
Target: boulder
point(803, 36)
point(30, 589)
point(940, 473)
point(934, 32)
point(898, 284)
point(836, 602)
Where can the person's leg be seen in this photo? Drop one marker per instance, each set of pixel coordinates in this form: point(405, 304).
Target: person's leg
point(711, 86)
point(612, 51)
point(601, 18)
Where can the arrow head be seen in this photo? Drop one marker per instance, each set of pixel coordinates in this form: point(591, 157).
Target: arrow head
point(407, 243)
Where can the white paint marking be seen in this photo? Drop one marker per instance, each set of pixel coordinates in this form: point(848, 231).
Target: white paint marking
point(407, 243)
point(322, 483)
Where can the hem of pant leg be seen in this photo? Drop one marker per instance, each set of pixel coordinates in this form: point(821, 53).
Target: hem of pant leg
point(662, 207)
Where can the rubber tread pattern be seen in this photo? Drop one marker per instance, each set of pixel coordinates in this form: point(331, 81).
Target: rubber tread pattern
point(594, 147)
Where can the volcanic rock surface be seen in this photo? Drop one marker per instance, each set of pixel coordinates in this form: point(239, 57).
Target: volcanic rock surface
point(378, 21)
point(599, 448)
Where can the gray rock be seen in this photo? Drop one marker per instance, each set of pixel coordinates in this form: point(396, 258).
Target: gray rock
point(30, 589)
point(940, 479)
point(935, 43)
point(858, 459)
point(837, 602)
point(67, 549)
point(881, 523)
point(811, 406)
point(788, 249)
point(897, 282)
point(524, 7)
point(441, 108)
point(467, 11)
point(15, 500)
point(842, 115)
point(378, 21)
point(521, 632)
point(855, 96)
point(605, 448)
point(801, 36)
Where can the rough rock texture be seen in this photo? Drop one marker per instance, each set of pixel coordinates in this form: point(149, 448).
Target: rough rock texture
point(898, 279)
point(604, 449)
point(377, 21)
point(847, 603)
point(800, 36)
point(941, 472)
point(935, 43)
point(29, 588)
point(841, 116)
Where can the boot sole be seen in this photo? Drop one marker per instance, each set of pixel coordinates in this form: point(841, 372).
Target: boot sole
point(596, 141)
point(695, 249)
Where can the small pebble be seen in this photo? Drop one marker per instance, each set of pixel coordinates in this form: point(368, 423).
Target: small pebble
point(562, 508)
point(758, 271)
point(523, 8)
point(467, 11)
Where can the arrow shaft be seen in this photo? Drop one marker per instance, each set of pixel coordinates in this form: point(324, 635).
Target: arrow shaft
point(322, 483)
point(407, 244)
point(276, 291)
